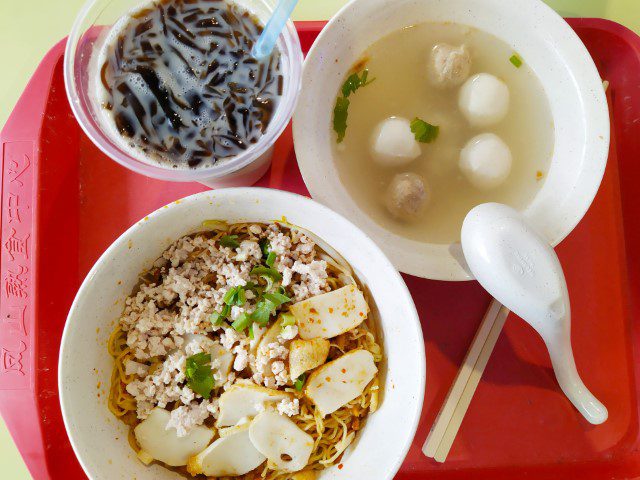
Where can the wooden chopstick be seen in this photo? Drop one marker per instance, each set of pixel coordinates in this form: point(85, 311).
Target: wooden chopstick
point(470, 388)
point(446, 412)
point(472, 366)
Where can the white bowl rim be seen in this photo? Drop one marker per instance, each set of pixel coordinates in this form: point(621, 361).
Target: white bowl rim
point(446, 262)
point(420, 368)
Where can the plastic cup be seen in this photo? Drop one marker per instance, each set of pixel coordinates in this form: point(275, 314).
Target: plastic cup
point(85, 41)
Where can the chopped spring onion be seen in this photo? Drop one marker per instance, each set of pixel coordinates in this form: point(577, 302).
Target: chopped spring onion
point(229, 297)
point(287, 319)
point(261, 270)
point(265, 246)
point(269, 274)
point(230, 241)
point(256, 289)
point(235, 296)
point(242, 297)
point(242, 322)
point(218, 317)
point(516, 60)
point(251, 335)
point(199, 374)
point(277, 298)
point(299, 383)
point(271, 259)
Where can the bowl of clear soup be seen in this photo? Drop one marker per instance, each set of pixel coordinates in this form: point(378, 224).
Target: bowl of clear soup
point(413, 112)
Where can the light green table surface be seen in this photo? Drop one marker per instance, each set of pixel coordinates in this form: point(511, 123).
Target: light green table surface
point(29, 28)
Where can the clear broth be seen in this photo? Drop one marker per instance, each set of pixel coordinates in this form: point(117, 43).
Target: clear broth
point(398, 63)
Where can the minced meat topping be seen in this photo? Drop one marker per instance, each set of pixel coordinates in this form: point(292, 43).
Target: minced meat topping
point(170, 318)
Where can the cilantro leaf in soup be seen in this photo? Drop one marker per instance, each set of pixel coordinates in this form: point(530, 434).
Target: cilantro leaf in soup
point(354, 82)
point(341, 110)
point(351, 84)
point(423, 131)
point(199, 374)
point(340, 114)
point(230, 241)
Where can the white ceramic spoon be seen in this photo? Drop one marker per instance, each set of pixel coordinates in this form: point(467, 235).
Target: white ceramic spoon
point(518, 267)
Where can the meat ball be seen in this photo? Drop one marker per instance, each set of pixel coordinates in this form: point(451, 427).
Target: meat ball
point(407, 196)
point(485, 161)
point(393, 144)
point(448, 65)
point(484, 100)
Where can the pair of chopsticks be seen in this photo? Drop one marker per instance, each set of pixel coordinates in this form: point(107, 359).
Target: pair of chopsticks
point(445, 428)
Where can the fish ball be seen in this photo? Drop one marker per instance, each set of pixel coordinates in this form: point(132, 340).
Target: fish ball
point(486, 161)
point(448, 65)
point(393, 144)
point(407, 196)
point(484, 100)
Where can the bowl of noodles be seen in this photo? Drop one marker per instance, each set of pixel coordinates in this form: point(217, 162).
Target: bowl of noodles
point(242, 333)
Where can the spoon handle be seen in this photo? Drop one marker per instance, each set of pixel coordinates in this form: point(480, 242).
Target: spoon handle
point(559, 346)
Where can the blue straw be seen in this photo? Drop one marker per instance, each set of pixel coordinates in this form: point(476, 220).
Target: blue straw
point(264, 46)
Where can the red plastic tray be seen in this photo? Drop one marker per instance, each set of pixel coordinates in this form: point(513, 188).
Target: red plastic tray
point(64, 202)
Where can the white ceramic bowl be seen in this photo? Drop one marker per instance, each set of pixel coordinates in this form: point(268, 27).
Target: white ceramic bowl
point(550, 47)
point(100, 440)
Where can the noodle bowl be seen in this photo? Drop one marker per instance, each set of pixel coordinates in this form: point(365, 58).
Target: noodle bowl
point(88, 402)
point(331, 434)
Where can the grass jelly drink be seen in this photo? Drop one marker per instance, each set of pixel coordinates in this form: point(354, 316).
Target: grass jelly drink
point(180, 85)
point(171, 89)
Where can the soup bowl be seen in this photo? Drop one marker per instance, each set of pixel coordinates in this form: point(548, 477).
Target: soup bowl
point(549, 46)
point(100, 440)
